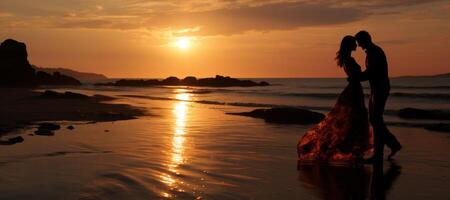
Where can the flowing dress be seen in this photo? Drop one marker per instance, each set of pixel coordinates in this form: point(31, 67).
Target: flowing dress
point(344, 134)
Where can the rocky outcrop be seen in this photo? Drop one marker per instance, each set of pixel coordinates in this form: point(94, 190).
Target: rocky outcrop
point(65, 95)
point(285, 115)
point(11, 141)
point(47, 129)
point(414, 113)
point(218, 81)
point(16, 71)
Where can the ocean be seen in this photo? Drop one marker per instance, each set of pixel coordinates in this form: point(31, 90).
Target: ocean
point(318, 94)
point(189, 148)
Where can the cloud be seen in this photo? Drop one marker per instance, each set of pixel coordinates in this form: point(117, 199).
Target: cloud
point(205, 17)
point(223, 21)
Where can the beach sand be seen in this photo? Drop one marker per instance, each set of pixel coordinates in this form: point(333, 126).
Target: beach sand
point(22, 107)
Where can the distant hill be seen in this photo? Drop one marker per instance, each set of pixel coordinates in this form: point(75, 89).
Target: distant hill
point(84, 77)
point(446, 75)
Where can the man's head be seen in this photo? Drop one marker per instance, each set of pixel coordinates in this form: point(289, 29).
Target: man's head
point(364, 39)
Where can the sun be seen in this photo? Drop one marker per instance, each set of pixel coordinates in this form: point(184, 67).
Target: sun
point(183, 43)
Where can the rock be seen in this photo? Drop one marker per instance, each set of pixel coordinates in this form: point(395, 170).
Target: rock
point(11, 141)
point(414, 113)
point(226, 81)
point(47, 129)
point(65, 95)
point(49, 126)
point(15, 70)
point(135, 83)
point(285, 115)
point(170, 81)
point(70, 127)
point(51, 94)
point(189, 80)
point(264, 83)
point(44, 132)
point(15, 140)
point(441, 127)
point(218, 81)
point(73, 95)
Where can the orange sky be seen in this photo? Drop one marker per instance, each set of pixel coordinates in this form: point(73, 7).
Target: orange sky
point(240, 38)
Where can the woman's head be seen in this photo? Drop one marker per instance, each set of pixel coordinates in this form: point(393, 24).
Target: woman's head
point(348, 45)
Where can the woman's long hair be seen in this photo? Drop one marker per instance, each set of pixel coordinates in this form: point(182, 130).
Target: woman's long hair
point(345, 49)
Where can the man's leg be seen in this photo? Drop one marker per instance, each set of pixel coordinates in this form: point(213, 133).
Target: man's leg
point(375, 119)
point(379, 103)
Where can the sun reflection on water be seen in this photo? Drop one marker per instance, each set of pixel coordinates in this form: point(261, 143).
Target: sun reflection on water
point(177, 157)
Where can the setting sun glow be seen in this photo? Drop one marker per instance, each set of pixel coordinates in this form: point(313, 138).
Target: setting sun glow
point(183, 43)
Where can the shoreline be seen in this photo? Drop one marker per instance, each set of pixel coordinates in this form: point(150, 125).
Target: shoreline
point(24, 107)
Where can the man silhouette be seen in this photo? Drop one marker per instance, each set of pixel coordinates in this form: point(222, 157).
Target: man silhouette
point(377, 74)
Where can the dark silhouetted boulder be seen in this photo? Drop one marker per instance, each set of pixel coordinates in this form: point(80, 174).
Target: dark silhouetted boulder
point(189, 80)
point(44, 132)
point(73, 95)
point(15, 70)
point(131, 83)
point(11, 141)
point(15, 140)
point(285, 115)
point(218, 81)
point(49, 126)
point(171, 81)
point(226, 81)
point(65, 95)
point(46, 129)
point(414, 113)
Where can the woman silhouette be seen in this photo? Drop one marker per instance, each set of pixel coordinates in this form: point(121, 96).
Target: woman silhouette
point(344, 134)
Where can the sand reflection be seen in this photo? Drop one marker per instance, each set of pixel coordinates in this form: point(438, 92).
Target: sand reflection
point(177, 156)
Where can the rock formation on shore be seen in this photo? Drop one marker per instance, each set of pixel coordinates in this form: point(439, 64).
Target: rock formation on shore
point(16, 71)
point(218, 81)
point(285, 115)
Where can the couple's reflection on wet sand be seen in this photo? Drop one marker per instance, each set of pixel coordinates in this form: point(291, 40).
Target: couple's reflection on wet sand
point(343, 182)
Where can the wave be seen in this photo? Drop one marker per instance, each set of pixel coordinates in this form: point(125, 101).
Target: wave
point(324, 109)
point(241, 104)
point(422, 87)
point(444, 96)
point(434, 96)
point(248, 104)
point(392, 86)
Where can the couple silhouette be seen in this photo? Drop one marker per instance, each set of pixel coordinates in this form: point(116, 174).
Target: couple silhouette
point(345, 134)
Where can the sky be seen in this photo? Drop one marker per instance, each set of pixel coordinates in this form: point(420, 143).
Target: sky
point(239, 38)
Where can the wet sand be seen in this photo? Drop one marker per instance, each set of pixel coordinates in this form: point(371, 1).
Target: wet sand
point(189, 150)
point(22, 107)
